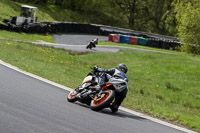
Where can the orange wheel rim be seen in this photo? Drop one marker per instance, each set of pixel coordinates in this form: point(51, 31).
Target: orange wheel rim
point(98, 100)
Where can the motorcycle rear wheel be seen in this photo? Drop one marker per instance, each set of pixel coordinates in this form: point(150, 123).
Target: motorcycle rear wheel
point(72, 96)
point(104, 101)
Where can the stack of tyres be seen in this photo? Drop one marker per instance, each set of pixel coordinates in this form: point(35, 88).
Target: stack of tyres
point(133, 40)
point(142, 41)
point(114, 38)
point(59, 26)
point(84, 28)
point(124, 38)
point(3, 26)
point(111, 37)
point(67, 27)
point(93, 29)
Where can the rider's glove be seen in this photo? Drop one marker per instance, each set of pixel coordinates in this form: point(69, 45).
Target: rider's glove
point(95, 68)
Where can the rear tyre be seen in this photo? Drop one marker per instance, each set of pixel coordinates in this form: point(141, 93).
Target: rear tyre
point(104, 101)
point(72, 96)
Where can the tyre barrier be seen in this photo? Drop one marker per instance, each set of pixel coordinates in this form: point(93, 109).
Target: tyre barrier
point(3, 26)
point(163, 44)
point(138, 40)
point(73, 27)
point(52, 27)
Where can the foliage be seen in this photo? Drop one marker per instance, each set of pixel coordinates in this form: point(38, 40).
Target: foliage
point(134, 14)
point(143, 15)
point(185, 18)
point(188, 27)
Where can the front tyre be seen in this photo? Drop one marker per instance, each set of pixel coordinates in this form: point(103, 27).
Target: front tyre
point(103, 101)
point(72, 96)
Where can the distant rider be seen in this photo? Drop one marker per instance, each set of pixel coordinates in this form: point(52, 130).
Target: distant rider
point(93, 43)
point(119, 73)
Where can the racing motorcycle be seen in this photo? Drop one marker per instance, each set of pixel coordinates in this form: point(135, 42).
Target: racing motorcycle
point(97, 99)
point(92, 44)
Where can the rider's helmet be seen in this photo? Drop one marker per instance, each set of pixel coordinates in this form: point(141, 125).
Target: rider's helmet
point(122, 67)
point(97, 38)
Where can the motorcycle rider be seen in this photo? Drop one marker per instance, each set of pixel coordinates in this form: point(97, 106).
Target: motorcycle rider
point(93, 43)
point(119, 73)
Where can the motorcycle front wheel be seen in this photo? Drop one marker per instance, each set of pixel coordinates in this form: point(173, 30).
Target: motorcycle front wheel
point(103, 101)
point(72, 96)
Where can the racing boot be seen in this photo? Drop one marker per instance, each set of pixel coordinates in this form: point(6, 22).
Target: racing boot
point(114, 107)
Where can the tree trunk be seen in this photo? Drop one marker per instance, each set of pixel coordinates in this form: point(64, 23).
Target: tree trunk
point(132, 14)
point(58, 2)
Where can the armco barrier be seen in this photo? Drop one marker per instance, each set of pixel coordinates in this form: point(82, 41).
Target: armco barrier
point(164, 44)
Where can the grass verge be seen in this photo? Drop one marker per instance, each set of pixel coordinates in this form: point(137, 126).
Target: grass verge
point(139, 47)
point(162, 85)
point(26, 36)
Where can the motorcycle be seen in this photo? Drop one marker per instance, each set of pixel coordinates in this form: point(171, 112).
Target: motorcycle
point(92, 44)
point(97, 99)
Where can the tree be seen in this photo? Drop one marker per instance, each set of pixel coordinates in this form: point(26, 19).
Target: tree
point(144, 15)
point(128, 8)
point(33, 1)
point(188, 17)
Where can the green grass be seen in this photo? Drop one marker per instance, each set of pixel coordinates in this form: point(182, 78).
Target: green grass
point(26, 36)
point(8, 9)
point(44, 13)
point(139, 46)
point(47, 13)
point(162, 85)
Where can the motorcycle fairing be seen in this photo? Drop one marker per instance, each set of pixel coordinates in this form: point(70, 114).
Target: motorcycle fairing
point(119, 84)
point(87, 79)
point(84, 85)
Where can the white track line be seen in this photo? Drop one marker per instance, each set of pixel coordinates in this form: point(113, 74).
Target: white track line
point(121, 108)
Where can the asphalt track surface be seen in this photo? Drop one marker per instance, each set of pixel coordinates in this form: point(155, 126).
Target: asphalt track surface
point(79, 43)
point(29, 105)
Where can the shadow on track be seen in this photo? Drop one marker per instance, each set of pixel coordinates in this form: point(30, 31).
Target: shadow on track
point(120, 113)
point(94, 50)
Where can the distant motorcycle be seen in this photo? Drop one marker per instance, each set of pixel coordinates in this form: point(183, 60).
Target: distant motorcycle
point(96, 99)
point(92, 44)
